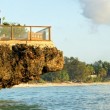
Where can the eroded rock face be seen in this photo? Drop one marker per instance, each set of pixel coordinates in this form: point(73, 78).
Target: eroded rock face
point(23, 63)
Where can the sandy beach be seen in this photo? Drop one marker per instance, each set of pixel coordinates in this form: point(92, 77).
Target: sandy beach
point(60, 84)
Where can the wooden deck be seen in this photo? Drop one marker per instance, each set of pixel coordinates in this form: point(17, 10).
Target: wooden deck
point(35, 43)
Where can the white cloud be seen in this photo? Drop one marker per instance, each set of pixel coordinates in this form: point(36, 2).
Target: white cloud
point(97, 10)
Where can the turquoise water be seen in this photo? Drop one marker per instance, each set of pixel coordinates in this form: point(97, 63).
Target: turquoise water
point(95, 97)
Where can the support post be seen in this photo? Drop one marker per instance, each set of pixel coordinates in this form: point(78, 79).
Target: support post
point(30, 32)
point(49, 33)
point(11, 32)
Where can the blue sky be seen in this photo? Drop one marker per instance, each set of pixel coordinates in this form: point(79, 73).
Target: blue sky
point(73, 31)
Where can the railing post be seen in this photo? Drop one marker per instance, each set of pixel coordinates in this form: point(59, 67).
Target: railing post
point(49, 33)
point(11, 32)
point(30, 32)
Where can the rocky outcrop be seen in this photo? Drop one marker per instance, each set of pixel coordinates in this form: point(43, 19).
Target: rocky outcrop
point(22, 63)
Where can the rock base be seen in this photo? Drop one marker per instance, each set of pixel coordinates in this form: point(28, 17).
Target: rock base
point(21, 63)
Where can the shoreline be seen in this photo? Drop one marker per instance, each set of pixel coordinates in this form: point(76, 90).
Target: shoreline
point(22, 85)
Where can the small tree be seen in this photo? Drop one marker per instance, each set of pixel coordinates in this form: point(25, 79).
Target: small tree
point(63, 76)
point(102, 73)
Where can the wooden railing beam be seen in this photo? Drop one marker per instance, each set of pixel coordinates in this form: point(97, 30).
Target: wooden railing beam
point(30, 31)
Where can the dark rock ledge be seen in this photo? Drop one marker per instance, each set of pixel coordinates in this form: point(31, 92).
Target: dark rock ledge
point(21, 63)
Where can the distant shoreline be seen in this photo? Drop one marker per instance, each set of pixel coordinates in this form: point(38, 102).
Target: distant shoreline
point(59, 84)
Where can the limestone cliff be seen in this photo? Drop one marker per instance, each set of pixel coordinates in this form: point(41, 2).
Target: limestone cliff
point(22, 63)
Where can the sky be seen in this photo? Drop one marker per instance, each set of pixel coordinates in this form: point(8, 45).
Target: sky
point(80, 28)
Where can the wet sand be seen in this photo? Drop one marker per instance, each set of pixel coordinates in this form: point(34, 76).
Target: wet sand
point(60, 84)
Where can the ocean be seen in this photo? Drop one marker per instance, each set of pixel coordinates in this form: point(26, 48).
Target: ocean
point(92, 97)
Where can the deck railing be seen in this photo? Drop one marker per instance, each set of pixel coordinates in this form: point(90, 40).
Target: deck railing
point(27, 33)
